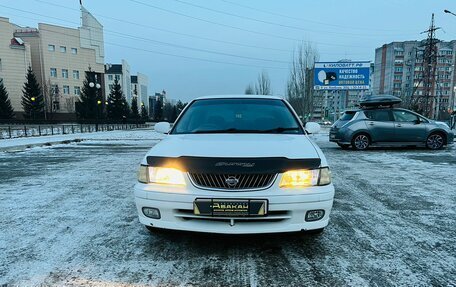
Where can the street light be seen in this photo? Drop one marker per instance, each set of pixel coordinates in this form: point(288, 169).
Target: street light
point(449, 12)
point(97, 85)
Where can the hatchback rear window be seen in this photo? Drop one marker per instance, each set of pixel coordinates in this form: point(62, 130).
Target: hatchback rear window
point(347, 116)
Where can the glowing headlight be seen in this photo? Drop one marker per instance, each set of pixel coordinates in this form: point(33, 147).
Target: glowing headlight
point(304, 178)
point(160, 175)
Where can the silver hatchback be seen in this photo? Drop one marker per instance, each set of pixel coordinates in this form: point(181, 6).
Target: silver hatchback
point(388, 127)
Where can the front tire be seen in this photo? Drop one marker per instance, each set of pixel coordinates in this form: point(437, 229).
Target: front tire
point(360, 142)
point(435, 141)
point(344, 146)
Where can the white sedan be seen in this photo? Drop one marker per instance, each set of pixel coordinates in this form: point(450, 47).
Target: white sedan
point(235, 165)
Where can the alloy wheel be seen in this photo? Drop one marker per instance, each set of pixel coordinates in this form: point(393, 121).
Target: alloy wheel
point(434, 141)
point(361, 142)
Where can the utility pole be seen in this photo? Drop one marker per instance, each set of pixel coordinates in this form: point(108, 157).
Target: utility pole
point(429, 69)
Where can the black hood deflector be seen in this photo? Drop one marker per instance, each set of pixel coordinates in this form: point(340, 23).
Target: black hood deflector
point(233, 165)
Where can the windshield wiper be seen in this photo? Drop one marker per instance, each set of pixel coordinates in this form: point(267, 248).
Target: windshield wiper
point(230, 130)
point(280, 130)
point(235, 130)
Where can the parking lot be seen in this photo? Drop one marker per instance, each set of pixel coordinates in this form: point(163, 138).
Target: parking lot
point(68, 218)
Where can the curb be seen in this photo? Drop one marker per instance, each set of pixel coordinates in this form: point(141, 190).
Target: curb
point(19, 148)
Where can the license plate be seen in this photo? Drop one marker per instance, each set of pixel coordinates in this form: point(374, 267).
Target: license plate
point(230, 207)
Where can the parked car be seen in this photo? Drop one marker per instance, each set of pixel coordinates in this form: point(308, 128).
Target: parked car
point(377, 122)
point(235, 164)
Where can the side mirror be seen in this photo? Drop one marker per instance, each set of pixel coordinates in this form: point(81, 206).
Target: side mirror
point(417, 121)
point(312, 128)
point(162, 127)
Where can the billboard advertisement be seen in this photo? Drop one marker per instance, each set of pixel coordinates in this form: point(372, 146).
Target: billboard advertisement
point(341, 75)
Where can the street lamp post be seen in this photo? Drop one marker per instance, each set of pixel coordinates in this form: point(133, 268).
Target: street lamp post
point(97, 87)
point(33, 99)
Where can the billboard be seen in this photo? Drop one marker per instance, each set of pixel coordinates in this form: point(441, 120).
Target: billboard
point(341, 75)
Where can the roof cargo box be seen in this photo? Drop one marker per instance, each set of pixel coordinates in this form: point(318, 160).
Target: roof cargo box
point(379, 100)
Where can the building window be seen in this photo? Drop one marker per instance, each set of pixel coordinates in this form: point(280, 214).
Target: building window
point(53, 72)
point(51, 48)
point(62, 49)
point(76, 74)
point(110, 77)
point(56, 105)
point(117, 77)
point(74, 51)
point(77, 91)
point(398, 69)
point(55, 90)
point(66, 90)
point(111, 86)
point(65, 73)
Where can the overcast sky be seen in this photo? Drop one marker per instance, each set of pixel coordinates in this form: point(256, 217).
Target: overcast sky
point(198, 47)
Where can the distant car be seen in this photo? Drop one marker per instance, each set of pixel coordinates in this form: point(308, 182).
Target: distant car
point(378, 123)
point(235, 164)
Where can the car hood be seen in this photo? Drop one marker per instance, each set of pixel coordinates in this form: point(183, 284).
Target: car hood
point(236, 146)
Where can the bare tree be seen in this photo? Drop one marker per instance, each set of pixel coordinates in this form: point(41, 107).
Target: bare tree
point(249, 90)
point(70, 104)
point(263, 85)
point(300, 82)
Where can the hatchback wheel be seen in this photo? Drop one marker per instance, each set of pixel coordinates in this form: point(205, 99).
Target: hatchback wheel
point(360, 142)
point(434, 141)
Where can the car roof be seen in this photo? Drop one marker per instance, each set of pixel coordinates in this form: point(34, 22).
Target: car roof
point(238, 96)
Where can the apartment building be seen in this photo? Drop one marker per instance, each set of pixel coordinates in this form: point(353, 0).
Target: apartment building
point(399, 68)
point(139, 88)
point(60, 57)
point(15, 57)
point(121, 72)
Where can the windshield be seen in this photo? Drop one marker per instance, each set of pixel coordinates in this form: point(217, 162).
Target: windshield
point(237, 116)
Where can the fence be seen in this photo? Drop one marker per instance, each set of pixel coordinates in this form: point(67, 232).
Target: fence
point(17, 131)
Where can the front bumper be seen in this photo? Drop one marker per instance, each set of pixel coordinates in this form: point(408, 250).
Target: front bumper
point(450, 138)
point(286, 211)
point(337, 136)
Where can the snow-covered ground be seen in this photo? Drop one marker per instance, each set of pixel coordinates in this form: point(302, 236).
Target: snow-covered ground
point(67, 217)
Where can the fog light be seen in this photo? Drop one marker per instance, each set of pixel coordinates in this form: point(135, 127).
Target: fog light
point(151, 212)
point(314, 215)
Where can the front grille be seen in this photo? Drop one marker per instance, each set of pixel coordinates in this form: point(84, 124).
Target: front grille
point(232, 181)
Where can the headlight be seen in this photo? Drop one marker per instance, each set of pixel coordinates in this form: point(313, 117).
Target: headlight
point(304, 178)
point(160, 175)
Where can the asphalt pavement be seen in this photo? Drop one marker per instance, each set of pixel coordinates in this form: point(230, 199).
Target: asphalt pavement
point(68, 218)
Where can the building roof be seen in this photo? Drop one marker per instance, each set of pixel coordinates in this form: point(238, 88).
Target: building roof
point(134, 79)
point(113, 69)
point(239, 97)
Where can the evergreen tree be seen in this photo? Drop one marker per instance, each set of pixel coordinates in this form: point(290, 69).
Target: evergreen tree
point(32, 98)
point(174, 114)
point(144, 113)
point(6, 110)
point(87, 107)
point(117, 104)
point(134, 108)
point(158, 110)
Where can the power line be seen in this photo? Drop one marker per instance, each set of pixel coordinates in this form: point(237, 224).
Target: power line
point(161, 42)
point(274, 23)
point(169, 31)
point(163, 53)
point(221, 24)
point(302, 19)
point(200, 37)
